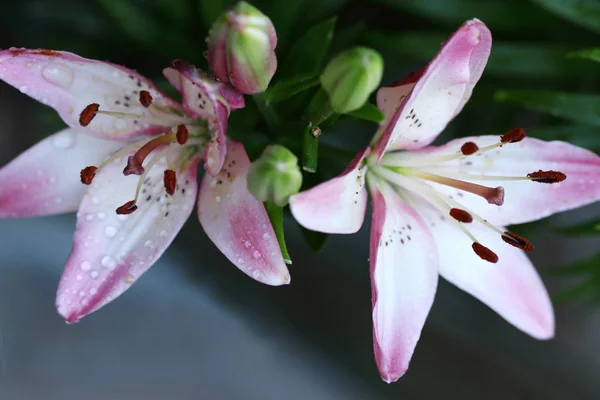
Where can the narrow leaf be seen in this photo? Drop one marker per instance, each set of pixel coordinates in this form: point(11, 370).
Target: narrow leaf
point(368, 112)
point(588, 228)
point(287, 88)
point(310, 149)
point(584, 108)
point(585, 13)
point(276, 217)
point(586, 54)
point(307, 55)
point(315, 240)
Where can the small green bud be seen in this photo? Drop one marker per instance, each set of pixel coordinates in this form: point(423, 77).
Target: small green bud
point(351, 77)
point(275, 175)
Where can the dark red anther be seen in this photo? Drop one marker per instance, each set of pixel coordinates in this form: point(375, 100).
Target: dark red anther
point(127, 208)
point(513, 136)
point(469, 148)
point(517, 241)
point(485, 253)
point(134, 167)
point(88, 114)
point(145, 98)
point(182, 134)
point(170, 181)
point(461, 215)
point(87, 174)
point(547, 176)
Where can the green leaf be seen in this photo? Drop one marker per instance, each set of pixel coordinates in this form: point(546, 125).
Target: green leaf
point(584, 108)
point(310, 149)
point(287, 88)
point(508, 59)
point(579, 135)
point(307, 55)
point(586, 54)
point(515, 15)
point(368, 112)
point(588, 228)
point(315, 240)
point(581, 12)
point(269, 113)
point(276, 217)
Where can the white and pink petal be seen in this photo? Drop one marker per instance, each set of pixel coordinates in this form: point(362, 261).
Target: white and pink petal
point(44, 180)
point(110, 251)
point(337, 205)
point(404, 275)
point(441, 91)
point(237, 223)
point(511, 287)
point(524, 201)
point(68, 83)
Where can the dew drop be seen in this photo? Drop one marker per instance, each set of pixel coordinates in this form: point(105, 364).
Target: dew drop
point(148, 243)
point(247, 244)
point(267, 236)
point(81, 294)
point(110, 231)
point(85, 266)
point(89, 217)
point(59, 75)
point(95, 200)
point(256, 254)
point(101, 215)
point(94, 274)
point(23, 89)
point(218, 199)
point(108, 262)
point(256, 274)
point(79, 277)
point(119, 124)
point(240, 260)
point(163, 233)
point(64, 140)
point(93, 291)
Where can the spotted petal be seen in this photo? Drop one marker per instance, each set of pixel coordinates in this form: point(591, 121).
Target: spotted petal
point(403, 280)
point(68, 83)
point(237, 223)
point(511, 287)
point(444, 86)
point(335, 206)
point(206, 98)
point(112, 251)
point(44, 180)
point(525, 201)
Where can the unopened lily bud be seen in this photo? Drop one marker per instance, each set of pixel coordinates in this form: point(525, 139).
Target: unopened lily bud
point(241, 49)
point(275, 176)
point(351, 77)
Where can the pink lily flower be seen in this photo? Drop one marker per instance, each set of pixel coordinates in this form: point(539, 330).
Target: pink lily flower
point(433, 211)
point(141, 151)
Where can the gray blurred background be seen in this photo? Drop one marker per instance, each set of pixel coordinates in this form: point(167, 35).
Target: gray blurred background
point(196, 328)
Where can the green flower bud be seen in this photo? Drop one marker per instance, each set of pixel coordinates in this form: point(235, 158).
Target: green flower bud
point(351, 77)
point(275, 175)
point(241, 48)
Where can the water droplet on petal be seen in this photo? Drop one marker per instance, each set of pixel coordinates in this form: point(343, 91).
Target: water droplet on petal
point(256, 274)
point(266, 236)
point(247, 244)
point(95, 200)
point(240, 260)
point(23, 89)
point(110, 231)
point(108, 262)
point(94, 274)
point(58, 74)
point(85, 266)
point(256, 254)
point(120, 124)
point(64, 140)
point(79, 277)
point(93, 291)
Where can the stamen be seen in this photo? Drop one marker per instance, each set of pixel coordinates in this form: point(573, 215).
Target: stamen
point(469, 148)
point(134, 167)
point(485, 253)
point(461, 215)
point(513, 136)
point(127, 208)
point(145, 98)
point(517, 241)
point(87, 174)
point(170, 181)
point(88, 114)
point(182, 134)
point(547, 176)
point(492, 195)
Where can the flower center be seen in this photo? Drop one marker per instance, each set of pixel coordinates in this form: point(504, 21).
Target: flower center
point(179, 145)
point(411, 171)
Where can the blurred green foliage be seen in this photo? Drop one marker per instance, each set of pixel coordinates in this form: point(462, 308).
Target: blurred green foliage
point(542, 74)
